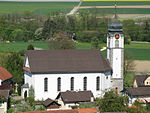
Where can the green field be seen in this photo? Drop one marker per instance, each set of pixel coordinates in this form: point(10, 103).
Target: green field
point(119, 11)
point(43, 8)
point(111, 3)
point(137, 51)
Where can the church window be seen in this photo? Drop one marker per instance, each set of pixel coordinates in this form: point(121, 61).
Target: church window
point(59, 84)
point(72, 84)
point(85, 83)
point(116, 43)
point(45, 84)
point(97, 83)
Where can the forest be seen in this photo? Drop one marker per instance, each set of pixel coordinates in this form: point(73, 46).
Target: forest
point(82, 27)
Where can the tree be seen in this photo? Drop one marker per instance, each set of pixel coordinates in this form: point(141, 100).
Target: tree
point(61, 41)
point(95, 43)
point(14, 64)
point(17, 35)
point(112, 102)
point(31, 91)
point(30, 47)
point(128, 62)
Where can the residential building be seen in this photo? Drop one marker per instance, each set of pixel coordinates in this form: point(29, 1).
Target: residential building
point(4, 98)
point(72, 99)
point(141, 81)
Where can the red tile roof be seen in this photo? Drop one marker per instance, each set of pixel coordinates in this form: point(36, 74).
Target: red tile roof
point(86, 110)
point(4, 74)
point(52, 111)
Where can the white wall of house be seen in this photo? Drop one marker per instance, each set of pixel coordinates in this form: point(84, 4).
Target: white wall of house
point(38, 83)
point(3, 107)
point(27, 78)
point(27, 62)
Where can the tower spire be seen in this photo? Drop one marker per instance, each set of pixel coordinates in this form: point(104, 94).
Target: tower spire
point(115, 9)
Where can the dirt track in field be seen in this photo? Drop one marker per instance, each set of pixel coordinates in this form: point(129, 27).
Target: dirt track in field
point(138, 6)
point(129, 15)
point(142, 66)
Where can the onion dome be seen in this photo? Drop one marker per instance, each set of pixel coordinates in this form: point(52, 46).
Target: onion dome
point(115, 26)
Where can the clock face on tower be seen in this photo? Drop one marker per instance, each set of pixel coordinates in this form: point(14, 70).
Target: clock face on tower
point(117, 36)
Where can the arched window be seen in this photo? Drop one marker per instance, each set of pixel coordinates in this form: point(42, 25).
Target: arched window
point(45, 84)
point(72, 83)
point(85, 83)
point(116, 43)
point(59, 84)
point(97, 83)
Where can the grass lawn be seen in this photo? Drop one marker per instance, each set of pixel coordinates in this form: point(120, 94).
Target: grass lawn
point(136, 50)
point(139, 51)
point(43, 8)
point(17, 46)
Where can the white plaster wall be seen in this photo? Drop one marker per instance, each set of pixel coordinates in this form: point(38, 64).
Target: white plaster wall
point(27, 63)
point(3, 107)
point(107, 83)
point(116, 63)
point(38, 84)
point(28, 78)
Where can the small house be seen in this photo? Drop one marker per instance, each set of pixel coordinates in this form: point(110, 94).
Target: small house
point(141, 81)
point(72, 99)
point(4, 98)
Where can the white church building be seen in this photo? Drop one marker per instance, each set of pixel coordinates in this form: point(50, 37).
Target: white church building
point(54, 71)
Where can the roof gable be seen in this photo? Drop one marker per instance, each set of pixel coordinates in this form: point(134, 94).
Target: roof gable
point(55, 61)
point(140, 79)
point(49, 101)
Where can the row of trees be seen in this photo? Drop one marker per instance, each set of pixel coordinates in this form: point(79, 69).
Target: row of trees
point(82, 27)
point(113, 102)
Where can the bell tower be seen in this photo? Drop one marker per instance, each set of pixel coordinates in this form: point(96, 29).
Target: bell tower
point(115, 53)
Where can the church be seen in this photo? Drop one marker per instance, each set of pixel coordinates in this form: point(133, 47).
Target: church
point(53, 71)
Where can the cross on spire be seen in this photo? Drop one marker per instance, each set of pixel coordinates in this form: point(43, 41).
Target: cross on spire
point(115, 9)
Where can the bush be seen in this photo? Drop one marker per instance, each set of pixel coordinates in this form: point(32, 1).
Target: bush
point(30, 47)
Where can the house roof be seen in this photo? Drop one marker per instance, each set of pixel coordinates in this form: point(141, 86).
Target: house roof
point(54, 61)
point(140, 79)
point(6, 87)
point(49, 101)
point(86, 110)
point(139, 91)
point(73, 96)
point(53, 111)
point(25, 85)
point(4, 74)
point(4, 93)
